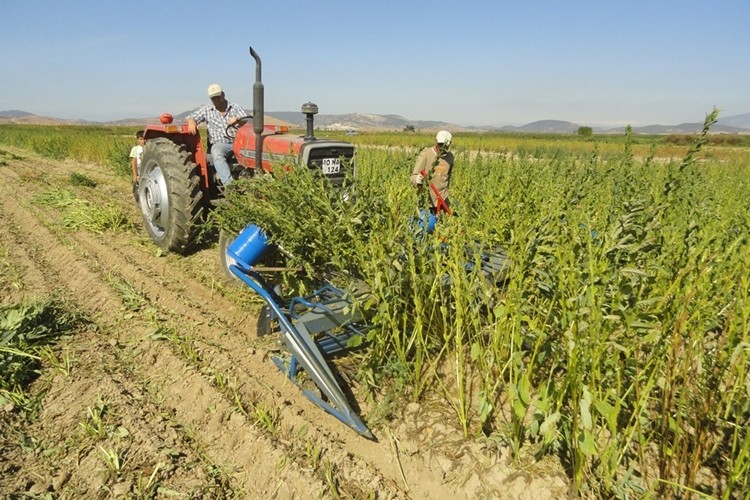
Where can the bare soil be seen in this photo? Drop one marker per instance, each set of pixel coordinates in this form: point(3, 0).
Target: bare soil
point(169, 392)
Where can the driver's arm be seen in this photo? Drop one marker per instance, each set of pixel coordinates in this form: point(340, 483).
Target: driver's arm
point(192, 125)
point(194, 118)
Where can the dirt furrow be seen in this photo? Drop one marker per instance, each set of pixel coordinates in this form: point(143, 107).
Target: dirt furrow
point(225, 435)
point(22, 280)
point(56, 260)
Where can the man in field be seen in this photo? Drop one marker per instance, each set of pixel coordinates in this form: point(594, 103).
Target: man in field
point(217, 116)
point(434, 164)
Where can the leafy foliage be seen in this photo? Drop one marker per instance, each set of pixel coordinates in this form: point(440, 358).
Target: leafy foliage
point(628, 278)
point(82, 214)
point(24, 329)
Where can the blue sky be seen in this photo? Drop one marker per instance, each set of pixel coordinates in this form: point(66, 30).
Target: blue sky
point(592, 62)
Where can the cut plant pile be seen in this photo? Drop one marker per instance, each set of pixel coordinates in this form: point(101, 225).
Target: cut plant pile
point(162, 389)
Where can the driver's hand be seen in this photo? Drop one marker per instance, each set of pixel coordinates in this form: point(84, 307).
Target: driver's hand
point(192, 126)
point(232, 120)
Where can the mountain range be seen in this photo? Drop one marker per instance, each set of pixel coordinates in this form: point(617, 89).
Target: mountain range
point(737, 124)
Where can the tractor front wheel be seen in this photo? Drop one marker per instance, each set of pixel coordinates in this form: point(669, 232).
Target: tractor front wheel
point(170, 194)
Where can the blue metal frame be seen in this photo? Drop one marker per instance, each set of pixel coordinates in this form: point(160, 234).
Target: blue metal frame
point(306, 352)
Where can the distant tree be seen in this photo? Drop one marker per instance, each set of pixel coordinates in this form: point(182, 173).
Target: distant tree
point(585, 131)
point(409, 128)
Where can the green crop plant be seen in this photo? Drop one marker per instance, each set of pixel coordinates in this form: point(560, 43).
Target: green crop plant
point(184, 345)
point(27, 330)
point(267, 418)
point(80, 179)
point(62, 363)
point(218, 481)
point(56, 198)
point(331, 479)
point(56, 147)
point(5, 156)
point(107, 146)
point(148, 488)
point(237, 399)
point(113, 459)
point(78, 213)
point(312, 453)
point(96, 219)
point(94, 425)
point(619, 338)
point(628, 277)
point(9, 155)
point(132, 299)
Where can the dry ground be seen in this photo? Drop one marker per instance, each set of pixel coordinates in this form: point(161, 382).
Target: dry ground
point(168, 393)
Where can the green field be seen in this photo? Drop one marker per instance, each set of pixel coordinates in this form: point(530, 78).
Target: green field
point(619, 341)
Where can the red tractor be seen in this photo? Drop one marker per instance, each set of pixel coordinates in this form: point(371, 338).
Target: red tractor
point(178, 182)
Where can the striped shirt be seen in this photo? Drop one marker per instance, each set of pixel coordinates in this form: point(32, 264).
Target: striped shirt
point(216, 122)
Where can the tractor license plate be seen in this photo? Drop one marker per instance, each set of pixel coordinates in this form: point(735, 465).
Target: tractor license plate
point(331, 166)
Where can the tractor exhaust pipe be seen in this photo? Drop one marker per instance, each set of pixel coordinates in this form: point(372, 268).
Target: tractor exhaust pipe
point(310, 110)
point(258, 111)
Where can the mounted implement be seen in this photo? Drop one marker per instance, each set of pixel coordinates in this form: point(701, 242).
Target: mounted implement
point(327, 322)
point(311, 327)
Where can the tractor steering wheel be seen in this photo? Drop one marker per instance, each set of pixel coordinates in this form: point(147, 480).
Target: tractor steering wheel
point(236, 125)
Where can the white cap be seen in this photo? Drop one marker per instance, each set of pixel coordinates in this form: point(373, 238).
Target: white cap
point(444, 137)
point(214, 90)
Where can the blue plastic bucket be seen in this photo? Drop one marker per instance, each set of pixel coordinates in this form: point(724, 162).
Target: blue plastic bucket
point(248, 247)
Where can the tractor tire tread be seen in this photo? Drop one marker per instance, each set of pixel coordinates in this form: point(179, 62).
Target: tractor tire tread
point(187, 207)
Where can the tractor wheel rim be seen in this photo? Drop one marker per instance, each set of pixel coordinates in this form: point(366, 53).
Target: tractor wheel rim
point(155, 205)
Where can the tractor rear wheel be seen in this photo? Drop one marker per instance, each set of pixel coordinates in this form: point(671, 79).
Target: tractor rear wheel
point(170, 195)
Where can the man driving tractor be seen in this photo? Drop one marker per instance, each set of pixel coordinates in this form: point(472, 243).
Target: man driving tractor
point(217, 116)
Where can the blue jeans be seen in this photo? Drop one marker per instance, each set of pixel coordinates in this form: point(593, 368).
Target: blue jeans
point(219, 153)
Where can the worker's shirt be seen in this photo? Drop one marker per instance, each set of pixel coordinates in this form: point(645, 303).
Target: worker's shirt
point(216, 123)
point(437, 170)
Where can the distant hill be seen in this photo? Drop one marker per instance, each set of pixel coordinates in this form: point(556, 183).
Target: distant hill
point(545, 127)
point(22, 117)
point(738, 121)
point(737, 124)
point(14, 113)
point(682, 128)
point(361, 121)
point(180, 118)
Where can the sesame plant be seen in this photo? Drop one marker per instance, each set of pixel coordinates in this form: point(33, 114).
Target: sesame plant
point(619, 340)
point(27, 330)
